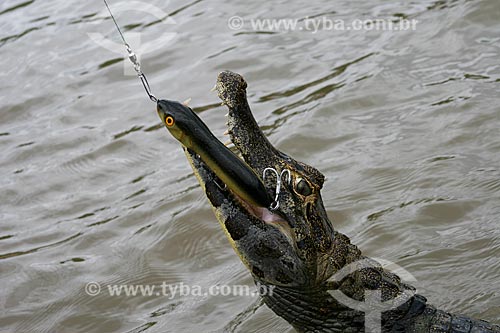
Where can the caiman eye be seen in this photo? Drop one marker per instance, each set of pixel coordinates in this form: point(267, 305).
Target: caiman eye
point(303, 188)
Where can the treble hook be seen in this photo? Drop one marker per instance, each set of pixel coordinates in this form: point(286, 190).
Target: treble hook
point(276, 203)
point(222, 188)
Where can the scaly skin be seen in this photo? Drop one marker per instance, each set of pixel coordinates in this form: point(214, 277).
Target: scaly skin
point(298, 252)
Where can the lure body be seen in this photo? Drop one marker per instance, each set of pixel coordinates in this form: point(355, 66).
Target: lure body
point(191, 131)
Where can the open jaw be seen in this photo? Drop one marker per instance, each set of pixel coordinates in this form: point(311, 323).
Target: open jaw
point(285, 247)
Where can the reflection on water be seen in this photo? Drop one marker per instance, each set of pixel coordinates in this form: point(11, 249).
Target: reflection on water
point(404, 124)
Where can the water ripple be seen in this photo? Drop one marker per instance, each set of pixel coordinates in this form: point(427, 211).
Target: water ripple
point(35, 249)
point(404, 125)
point(16, 7)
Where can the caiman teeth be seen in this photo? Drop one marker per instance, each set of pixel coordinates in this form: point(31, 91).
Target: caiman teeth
point(186, 102)
point(229, 144)
point(214, 88)
point(226, 132)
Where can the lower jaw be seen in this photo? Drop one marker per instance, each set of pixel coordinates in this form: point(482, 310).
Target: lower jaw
point(270, 218)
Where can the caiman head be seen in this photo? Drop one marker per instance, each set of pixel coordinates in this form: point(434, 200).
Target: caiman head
point(290, 246)
point(295, 249)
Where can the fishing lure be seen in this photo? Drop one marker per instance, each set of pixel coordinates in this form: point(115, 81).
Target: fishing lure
point(244, 181)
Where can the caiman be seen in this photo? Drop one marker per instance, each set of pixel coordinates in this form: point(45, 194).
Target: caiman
point(294, 249)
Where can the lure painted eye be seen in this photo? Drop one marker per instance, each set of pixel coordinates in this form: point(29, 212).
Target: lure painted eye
point(169, 121)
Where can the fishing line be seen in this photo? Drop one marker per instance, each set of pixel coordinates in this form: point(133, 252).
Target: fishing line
point(133, 58)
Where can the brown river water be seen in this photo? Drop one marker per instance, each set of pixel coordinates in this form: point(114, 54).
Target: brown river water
point(403, 123)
